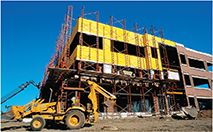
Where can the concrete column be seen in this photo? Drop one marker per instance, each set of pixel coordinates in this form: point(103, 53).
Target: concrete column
point(184, 82)
point(210, 83)
point(187, 97)
point(155, 101)
point(187, 60)
point(167, 103)
point(205, 66)
point(191, 80)
point(196, 103)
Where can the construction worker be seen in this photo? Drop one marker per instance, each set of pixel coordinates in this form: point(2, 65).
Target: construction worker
point(74, 100)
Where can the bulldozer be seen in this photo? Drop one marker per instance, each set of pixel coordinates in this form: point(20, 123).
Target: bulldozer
point(74, 117)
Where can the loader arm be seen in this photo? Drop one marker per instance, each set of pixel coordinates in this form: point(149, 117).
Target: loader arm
point(17, 90)
point(92, 96)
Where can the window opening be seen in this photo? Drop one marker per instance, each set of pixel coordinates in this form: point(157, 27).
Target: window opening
point(132, 49)
point(118, 46)
point(205, 104)
point(187, 80)
point(90, 40)
point(201, 82)
point(183, 59)
point(192, 101)
point(142, 52)
point(154, 52)
point(209, 66)
point(196, 64)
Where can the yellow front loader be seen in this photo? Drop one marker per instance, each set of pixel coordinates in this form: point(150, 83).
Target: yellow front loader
point(74, 117)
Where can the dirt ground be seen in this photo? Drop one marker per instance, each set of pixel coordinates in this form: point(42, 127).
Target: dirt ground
point(155, 123)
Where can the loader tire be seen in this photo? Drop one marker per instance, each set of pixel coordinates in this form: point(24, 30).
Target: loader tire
point(75, 119)
point(37, 123)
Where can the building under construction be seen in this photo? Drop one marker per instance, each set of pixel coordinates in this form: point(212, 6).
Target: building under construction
point(147, 73)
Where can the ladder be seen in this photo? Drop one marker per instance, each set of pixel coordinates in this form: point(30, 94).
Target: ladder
point(125, 45)
point(147, 47)
point(137, 46)
point(63, 96)
point(165, 56)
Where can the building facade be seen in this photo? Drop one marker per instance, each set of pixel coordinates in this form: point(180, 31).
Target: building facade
point(196, 68)
point(147, 73)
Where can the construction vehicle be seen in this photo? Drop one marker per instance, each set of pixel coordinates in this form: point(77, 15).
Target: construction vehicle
point(74, 116)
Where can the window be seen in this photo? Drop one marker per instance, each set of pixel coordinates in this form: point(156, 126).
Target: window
point(172, 56)
point(154, 52)
point(187, 80)
point(192, 101)
point(142, 52)
point(209, 66)
point(183, 59)
point(205, 104)
point(90, 40)
point(132, 49)
point(196, 64)
point(201, 82)
point(118, 46)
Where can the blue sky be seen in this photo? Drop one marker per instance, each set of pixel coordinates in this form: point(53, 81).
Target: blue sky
point(29, 31)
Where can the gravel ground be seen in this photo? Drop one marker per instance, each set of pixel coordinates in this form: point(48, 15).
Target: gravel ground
point(125, 124)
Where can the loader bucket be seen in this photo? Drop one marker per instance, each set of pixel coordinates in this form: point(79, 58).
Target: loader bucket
point(13, 113)
point(7, 115)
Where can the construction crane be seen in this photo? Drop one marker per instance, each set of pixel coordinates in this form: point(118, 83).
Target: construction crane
point(74, 116)
point(17, 90)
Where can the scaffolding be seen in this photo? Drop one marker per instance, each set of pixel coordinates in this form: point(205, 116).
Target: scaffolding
point(142, 84)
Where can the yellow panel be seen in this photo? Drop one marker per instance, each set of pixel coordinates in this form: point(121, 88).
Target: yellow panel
point(159, 60)
point(91, 27)
point(150, 40)
point(133, 61)
point(121, 59)
point(119, 34)
point(94, 28)
point(93, 54)
point(88, 53)
point(143, 63)
point(85, 54)
point(140, 38)
point(154, 66)
point(107, 50)
point(100, 29)
point(74, 31)
point(78, 52)
point(107, 31)
point(131, 37)
point(100, 56)
point(153, 63)
point(169, 42)
point(116, 59)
